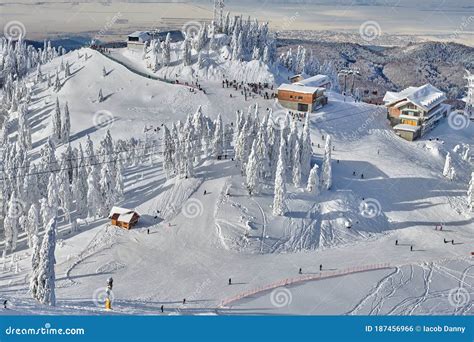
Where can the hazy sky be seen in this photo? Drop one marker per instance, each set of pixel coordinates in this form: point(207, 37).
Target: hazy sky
point(62, 17)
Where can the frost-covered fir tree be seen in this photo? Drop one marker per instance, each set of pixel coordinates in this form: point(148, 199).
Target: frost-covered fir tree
point(253, 180)
point(107, 188)
point(11, 222)
point(53, 193)
point(306, 150)
point(93, 198)
point(104, 72)
point(168, 153)
point(218, 139)
point(187, 52)
point(279, 204)
point(326, 178)
point(24, 130)
point(67, 70)
point(57, 82)
point(80, 187)
point(45, 275)
point(202, 38)
point(313, 180)
point(35, 261)
point(448, 171)
point(57, 127)
point(166, 50)
point(66, 125)
point(296, 165)
point(263, 150)
point(32, 224)
point(470, 193)
point(64, 192)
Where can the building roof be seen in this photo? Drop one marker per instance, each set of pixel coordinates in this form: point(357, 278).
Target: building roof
point(315, 81)
point(140, 34)
point(124, 215)
point(300, 88)
point(426, 96)
point(405, 127)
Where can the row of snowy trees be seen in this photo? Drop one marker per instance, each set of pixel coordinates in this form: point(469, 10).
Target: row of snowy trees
point(300, 61)
point(86, 183)
point(277, 153)
point(186, 143)
point(246, 40)
point(17, 58)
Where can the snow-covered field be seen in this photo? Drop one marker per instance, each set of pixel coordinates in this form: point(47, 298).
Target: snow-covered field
point(209, 229)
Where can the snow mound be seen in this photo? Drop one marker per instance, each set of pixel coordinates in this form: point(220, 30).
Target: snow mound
point(245, 224)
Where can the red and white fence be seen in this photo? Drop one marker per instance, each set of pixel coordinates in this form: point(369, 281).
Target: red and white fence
point(301, 279)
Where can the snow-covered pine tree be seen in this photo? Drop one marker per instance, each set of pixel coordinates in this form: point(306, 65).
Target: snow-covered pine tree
point(470, 193)
point(64, 192)
point(35, 261)
point(187, 52)
point(306, 150)
point(166, 50)
point(313, 180)
point(57, 82)
point(24, 130)
point(296, 164)
point(11, 222)
point(326, 179)
point(46, 277)
point(53, 193)
point(107, 188)
point(32, 224)
point(265, 170)
point(218, 139)
point(168, 152)
point(449, 171)
point(253, 180)
point(80, 188)
point(201, 39)
point(93, 191)
point(66, 125)
point(67, 70)
point(104, 72)
point(279, 203)
point(57, 121)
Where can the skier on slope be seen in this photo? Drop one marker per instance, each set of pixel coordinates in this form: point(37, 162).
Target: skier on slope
point(321, 267)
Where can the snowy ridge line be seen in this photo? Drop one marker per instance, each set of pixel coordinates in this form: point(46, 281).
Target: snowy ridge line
point(143, 74)
point(291, 281)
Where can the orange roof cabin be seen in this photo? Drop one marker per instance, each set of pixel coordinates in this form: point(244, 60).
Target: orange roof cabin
point(124, 218)
point(300, 97)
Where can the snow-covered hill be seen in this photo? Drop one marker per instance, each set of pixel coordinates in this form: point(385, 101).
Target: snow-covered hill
point(206, 229)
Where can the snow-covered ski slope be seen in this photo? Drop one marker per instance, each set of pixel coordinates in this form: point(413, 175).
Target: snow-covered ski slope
point(200, 241)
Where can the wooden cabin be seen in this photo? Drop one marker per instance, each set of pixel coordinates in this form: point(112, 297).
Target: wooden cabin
point(124, 218)
point(301, 98)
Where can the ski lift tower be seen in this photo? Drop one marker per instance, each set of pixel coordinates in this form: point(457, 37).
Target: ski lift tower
point(348, 72)
point(469, 99)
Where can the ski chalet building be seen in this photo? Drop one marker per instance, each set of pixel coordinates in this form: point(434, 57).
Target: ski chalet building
point(124, 218)
point(415, 110)
point(137, 39)
point(300, 97)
